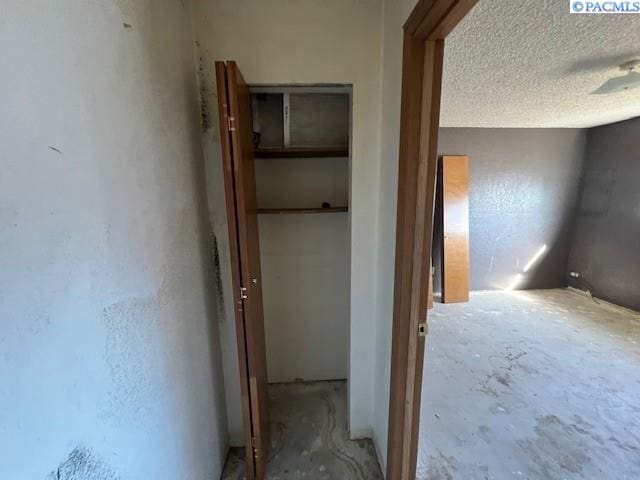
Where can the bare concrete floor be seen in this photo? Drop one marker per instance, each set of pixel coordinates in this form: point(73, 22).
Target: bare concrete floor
point(309, 438)
point(531, 385)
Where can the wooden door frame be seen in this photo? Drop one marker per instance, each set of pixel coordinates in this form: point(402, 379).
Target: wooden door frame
point(423, 52)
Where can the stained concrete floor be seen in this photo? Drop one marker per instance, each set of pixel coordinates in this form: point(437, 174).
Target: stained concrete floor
point(531, 385)
point(309, 438)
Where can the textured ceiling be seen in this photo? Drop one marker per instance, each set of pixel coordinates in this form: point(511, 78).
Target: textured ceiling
point(530, 63)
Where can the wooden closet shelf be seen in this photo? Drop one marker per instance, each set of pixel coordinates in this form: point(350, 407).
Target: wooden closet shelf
point(285, 211)
point(326, 152)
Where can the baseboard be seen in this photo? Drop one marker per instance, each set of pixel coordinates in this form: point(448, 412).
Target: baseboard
point(600, 301)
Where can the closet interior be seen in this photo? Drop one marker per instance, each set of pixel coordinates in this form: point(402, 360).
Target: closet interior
point(301, 139)
point(286, 163)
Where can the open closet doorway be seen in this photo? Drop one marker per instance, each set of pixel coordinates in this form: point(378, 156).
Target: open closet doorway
point(286, 154)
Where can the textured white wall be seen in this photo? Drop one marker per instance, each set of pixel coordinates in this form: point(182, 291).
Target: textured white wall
point(110, 361)
point(305, 268)
point(308, 41)
point(395, 14)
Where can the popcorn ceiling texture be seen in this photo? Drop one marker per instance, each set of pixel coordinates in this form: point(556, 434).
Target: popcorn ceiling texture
point(533, 64)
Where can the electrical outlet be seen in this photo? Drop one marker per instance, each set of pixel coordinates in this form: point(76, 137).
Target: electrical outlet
point(574, 274)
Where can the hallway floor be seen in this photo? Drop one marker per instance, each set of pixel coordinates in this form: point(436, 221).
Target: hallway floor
point(309, 438)
point(531, 385)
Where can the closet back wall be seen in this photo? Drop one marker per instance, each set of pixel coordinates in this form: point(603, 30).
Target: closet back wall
point(305, 268)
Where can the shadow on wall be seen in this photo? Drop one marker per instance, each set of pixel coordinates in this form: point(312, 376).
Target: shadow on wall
point(604, 249)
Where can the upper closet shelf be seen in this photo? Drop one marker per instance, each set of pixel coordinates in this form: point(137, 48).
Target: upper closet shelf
point(322, 152)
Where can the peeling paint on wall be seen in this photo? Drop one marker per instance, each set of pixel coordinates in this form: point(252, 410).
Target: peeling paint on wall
point(131, 340)
point(82, 464)
point(142, 332)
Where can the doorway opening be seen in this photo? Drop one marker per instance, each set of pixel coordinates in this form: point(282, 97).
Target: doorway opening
point(286, 154)
point(518, 358)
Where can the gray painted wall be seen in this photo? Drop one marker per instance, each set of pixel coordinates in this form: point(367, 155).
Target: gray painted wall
point(522, 194)
point(606, 237)
point(109, 348)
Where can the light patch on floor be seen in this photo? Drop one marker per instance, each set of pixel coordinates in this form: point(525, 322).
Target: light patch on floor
point(309, 438)
point(531, 385)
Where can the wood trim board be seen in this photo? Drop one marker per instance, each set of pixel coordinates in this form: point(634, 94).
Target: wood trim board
point(423, 54)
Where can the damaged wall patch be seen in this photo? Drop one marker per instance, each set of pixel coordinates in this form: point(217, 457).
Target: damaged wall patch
point(82, 464)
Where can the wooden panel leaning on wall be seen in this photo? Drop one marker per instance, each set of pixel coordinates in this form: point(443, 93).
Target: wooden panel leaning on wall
point(455, 228)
